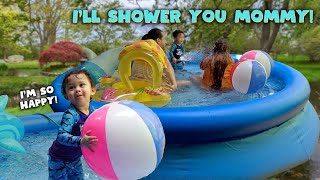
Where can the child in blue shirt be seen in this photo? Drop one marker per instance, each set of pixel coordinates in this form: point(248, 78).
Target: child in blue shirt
point(177, 50)
point(65, 152)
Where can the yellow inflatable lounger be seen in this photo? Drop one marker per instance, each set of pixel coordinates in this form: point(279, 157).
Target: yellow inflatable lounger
point(140, 90)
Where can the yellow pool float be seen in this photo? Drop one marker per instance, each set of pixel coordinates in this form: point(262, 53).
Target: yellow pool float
point(149, 93)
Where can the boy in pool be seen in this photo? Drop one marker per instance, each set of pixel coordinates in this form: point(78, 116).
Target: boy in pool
point(177, 50)
point(217, 68)
point(65, 152)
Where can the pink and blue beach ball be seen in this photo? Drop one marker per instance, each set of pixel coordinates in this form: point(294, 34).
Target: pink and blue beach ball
point(248, 76)
point(130, 142)
point(260, 56)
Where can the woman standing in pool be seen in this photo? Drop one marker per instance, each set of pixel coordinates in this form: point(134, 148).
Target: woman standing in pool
point(65, 152)
point(217, 68)
point(142, 70)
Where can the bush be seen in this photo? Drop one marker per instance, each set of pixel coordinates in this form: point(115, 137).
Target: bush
point(63, 51)
point(3, 67)
point(98, 48)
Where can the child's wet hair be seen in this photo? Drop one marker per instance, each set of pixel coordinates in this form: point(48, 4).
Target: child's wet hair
point(176, 33)
point(220, 47)
point(76, 72)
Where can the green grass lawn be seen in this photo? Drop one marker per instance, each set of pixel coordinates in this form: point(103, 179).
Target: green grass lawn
point(310, 71)
point(18, 112)
point(301, 63)
point(293, 59)
point(34, 64)
point(12, 85)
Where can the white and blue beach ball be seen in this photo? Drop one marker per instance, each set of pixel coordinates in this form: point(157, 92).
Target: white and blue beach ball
point(130, 143)
point(248, 76)
point(260, 56)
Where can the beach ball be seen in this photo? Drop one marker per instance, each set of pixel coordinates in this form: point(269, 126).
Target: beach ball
point(260, 56)
point(248, 76)
point(130, 140)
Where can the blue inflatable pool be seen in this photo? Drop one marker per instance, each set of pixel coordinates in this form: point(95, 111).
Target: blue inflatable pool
point(247, 140)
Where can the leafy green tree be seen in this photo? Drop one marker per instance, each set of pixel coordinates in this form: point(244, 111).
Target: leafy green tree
point(45, 18)
point(310, 44)
point(12, 24)
point(104, 34)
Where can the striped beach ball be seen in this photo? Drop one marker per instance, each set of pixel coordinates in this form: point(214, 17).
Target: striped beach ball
point(260, 56)
point(248, 76)
point(130, 140)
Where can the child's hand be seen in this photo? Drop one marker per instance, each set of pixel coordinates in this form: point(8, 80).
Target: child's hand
point(170, 87)
point(174, 60)
point(88, 141)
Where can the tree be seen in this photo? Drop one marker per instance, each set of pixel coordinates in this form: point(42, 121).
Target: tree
point(310, 44)
point(45, 18)
point(12, 24)
point(105, 35)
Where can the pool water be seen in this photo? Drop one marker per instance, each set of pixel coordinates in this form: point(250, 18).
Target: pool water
point(34, 164)
point(193, 95)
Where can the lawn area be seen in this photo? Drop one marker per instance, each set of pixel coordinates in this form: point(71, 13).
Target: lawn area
point(310, 71)
point(12, 85)
point(18, 112)
point(34, 64)
point(301, 63)
point(293, 59)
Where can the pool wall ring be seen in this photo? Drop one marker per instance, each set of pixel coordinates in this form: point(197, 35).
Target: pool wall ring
point(146, 50)
point(106, 63)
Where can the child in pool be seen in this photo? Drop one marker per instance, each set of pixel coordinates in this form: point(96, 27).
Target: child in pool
point(177, 50)
point(217, 68)
point(65, 152)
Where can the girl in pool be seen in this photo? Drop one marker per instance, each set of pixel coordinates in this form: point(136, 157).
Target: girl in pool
point(217, 68)
point(65, 152)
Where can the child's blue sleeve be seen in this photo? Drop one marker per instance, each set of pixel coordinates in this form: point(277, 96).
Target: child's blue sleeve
point(64, 133)
point(173, 47)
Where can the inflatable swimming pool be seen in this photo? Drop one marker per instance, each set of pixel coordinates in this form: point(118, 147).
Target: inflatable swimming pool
point(247, 140)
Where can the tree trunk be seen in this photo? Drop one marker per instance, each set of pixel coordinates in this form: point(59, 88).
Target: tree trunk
point(267, 40)
point(266, 27)
point(43, 43)
point(30, 25)
point(52, 36)
point(4, 53)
